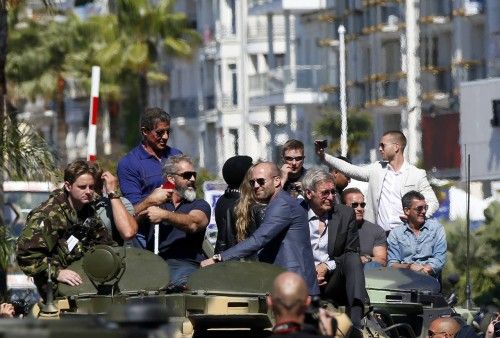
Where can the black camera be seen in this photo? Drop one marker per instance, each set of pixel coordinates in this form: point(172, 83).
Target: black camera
point(311, 320)
point(496, 329)
point(22, 300)
point(321, 144)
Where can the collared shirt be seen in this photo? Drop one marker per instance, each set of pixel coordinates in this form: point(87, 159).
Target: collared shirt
point(139, 173)
point(390, 208)
point(319, 242)
point(429, 247)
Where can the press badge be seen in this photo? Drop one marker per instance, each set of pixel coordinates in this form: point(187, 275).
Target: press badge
point(72, 241)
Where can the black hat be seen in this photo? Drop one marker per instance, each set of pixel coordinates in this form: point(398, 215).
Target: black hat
point(234, 170)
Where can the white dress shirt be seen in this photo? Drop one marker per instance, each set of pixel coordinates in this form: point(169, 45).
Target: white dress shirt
point(390, 208)
point(319, 242)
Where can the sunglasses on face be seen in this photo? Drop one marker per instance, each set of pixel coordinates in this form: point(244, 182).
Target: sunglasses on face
point(292, 158)
point(187, 175)
point(383, 145)
point(356, 204)
point(160, 133)
point(326, 193)
point(259, 181)
point(422, 208)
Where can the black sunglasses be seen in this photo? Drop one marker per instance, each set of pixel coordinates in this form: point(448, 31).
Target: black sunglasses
point(326, 193)
point(260, 181)
point(187, 175)
point(291, 158)
point(356, 204)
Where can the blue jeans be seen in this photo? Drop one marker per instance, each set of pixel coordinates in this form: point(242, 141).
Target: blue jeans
point(180, 270)
point(372, 265)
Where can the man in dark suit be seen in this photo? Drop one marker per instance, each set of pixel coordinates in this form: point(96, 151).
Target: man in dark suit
point(283, 236)
point(335, 244)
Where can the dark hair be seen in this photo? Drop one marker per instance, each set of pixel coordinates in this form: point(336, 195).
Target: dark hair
point(349, 191)
point(398, 136)
point(292, 144)
point(78, 168)
point(151, 116)
point(343, 158)
point(410, 196)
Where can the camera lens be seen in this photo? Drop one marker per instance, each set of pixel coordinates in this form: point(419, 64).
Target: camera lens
point(496, 329)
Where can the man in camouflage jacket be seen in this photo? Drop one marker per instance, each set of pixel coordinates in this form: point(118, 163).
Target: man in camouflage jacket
point(62, 229)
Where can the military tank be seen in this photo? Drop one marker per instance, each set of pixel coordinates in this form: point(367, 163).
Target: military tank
point(404, 302)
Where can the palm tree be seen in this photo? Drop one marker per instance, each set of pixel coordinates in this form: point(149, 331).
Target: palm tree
point(359, 125)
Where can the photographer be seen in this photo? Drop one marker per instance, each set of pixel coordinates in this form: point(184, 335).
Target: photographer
point(289, 301)
point(493, 329)
point(62, 229)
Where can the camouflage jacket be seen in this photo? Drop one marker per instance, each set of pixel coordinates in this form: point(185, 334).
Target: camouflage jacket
point(46, 235)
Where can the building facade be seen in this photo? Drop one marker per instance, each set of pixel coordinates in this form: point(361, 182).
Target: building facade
point(268, 70)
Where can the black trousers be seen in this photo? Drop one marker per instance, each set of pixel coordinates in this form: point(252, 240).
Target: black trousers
point(346, 284)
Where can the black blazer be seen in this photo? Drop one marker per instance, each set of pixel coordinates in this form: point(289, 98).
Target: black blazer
point(342, 230)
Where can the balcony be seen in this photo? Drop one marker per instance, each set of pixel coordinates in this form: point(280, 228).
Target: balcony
point(436, 83)
point(292, 85)
point(390, 17)
point(263, 7)
point(469, 7)
point(435, 11)
point(184, 107)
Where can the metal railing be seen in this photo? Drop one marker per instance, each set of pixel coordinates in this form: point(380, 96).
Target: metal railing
point(299, 78)
point(258, 30)
point(435, 8)
point(436, 82)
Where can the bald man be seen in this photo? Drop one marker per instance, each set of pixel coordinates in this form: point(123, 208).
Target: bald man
point(283, 236)
point(443, 327)
point(289, 301)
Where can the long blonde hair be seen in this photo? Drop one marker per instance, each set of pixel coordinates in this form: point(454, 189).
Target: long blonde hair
point(242, 210)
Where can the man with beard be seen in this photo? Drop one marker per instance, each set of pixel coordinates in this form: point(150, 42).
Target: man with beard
point(140, 171)
point(183, 220)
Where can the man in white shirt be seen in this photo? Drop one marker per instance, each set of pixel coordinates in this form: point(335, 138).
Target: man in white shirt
point(388, 180)
point(335, 244)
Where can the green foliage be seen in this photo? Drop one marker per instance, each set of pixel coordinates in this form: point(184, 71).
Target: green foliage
point(484, 258)
point(203, 175)
point(359, 126)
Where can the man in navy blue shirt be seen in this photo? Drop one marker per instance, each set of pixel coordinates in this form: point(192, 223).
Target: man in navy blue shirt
point(183, 220)
point(140, 171)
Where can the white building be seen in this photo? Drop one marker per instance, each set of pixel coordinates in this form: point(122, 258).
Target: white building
point(268, 69)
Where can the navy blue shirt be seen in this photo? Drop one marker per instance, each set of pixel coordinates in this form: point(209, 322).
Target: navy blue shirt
point(139, 173)
point(178, 244)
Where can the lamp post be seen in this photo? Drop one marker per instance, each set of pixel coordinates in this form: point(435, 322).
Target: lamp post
point(343, 98)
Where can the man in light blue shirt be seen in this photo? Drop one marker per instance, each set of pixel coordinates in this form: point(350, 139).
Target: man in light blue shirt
point(419, 245)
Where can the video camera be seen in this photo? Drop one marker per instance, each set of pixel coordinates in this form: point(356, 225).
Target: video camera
point(312, 315)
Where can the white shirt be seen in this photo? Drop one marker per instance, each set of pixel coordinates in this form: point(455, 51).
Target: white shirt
point(390, 207)
point(319, 242)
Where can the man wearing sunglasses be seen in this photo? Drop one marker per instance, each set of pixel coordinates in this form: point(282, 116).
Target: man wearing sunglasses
point(292, 170)
point(183, 220)
point(388, 180)
point(140, 171)
point(419, 245)
point(372, 239)
point(282, 238)
point(335, 244)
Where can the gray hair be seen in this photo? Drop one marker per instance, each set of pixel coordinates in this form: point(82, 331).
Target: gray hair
point(170, 165)
point(313, 177)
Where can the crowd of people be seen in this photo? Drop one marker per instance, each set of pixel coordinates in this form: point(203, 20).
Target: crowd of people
point(307, 221)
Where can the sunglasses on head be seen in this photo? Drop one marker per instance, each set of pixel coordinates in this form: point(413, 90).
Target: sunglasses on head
point(356, 204)
point(187, 174)
point(292, 158)
point(260, 182)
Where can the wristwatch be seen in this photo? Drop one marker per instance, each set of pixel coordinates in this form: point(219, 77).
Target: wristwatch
point(217, 258)
point(114, 194)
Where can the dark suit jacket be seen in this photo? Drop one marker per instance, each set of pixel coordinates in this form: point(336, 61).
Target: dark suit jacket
point(283, 239)
point(342, 231)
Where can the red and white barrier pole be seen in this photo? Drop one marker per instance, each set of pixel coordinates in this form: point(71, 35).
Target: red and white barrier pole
point(94, 108)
